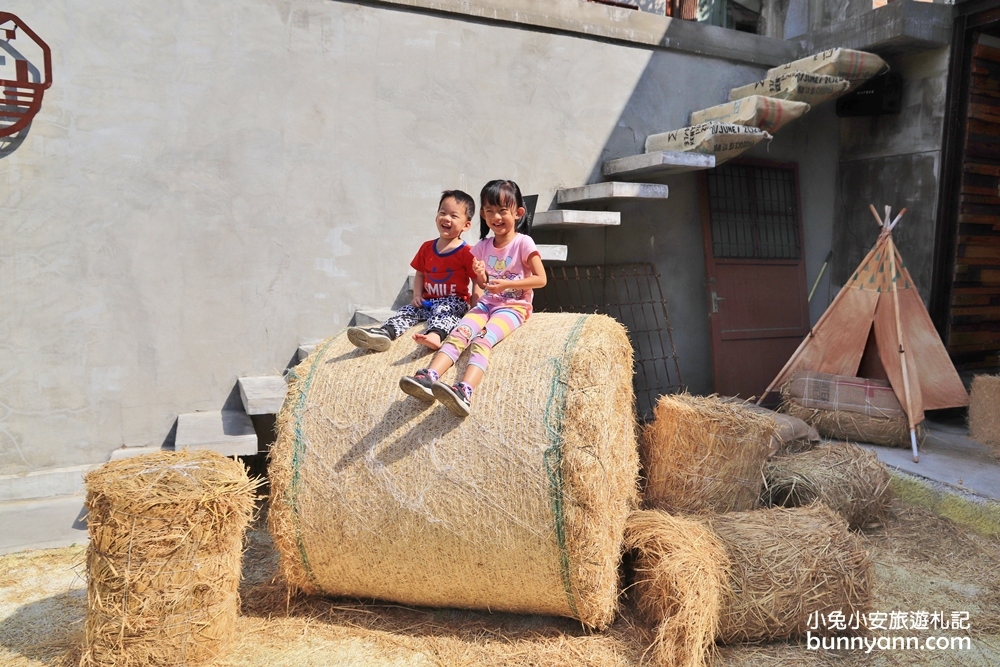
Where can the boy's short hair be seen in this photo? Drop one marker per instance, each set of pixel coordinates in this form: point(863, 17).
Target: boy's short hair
point(462, 198)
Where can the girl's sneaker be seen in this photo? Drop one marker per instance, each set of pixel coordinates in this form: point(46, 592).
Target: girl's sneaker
point(419, 384)
point(457, 398)
point(374, 338)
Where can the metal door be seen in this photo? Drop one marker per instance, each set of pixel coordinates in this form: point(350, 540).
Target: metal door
point(758, 311)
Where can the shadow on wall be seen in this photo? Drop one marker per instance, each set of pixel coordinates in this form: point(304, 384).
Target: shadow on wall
point(663, 232)
point(25, 75)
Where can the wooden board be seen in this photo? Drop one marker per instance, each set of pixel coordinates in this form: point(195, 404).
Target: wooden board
point(974, 322)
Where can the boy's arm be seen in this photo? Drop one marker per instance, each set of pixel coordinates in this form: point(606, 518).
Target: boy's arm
point(477, 292)
point(418, 290)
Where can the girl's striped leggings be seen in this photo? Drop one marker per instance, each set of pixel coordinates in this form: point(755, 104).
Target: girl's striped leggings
point(483, 327)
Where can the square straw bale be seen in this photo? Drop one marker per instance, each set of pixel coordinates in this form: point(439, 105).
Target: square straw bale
point(984, 410)
point(164, 560)
point(704, 454)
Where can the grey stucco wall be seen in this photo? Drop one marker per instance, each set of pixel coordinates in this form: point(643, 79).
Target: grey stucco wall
point(206, 186)
point(895, 160)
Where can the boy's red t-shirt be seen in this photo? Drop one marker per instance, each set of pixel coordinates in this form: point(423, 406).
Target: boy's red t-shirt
point(445, 274)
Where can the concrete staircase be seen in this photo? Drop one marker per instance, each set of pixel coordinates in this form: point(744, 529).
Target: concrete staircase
point(656, 165)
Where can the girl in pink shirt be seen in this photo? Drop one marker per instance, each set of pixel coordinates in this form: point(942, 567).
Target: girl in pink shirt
point(508, 267)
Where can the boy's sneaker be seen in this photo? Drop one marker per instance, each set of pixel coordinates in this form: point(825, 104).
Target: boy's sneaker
point(419, 384)
point(374, 338)
point(457, 398)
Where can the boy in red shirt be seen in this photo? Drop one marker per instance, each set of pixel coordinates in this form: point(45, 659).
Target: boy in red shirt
point(441, 287)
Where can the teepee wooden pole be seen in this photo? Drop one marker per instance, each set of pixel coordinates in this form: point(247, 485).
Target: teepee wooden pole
point(875, 213)
point(898, 216)
point(902, 350)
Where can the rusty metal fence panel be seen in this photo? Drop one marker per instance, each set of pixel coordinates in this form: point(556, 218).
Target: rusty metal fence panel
point(631, 294)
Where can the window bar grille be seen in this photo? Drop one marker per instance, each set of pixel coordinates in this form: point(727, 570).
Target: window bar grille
point(631, 294)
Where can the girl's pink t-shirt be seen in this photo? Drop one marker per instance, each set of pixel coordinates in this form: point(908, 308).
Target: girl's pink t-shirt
point(507, 263)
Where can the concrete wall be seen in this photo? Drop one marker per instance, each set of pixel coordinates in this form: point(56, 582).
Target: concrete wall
point(785, 19)
point(207, 185)
point(895, 160)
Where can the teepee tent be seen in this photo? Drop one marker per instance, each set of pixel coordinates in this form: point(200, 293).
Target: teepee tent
point(878, 325)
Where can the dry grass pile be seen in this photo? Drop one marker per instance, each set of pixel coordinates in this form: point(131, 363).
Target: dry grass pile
point(704, 454)
point(854, 426)
point(984, 410)
point(163, 565)
point(786, 564)
point(844, 477)
point(520, 507)
point(680, 575)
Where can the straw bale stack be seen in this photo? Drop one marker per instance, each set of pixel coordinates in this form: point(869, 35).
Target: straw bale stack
point(844, 477)
point(704, 454)
point(680, 576)
point(163, 564)
point(984, 410)
point(520, 507)
point(786, 564)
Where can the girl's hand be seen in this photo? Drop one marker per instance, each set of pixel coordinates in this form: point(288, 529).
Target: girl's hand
point(479, 266)
point(418, 300)
point(498, 286)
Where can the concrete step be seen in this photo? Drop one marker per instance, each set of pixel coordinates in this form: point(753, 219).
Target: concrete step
point(227, 432)
point(369, 317)
point(262, 395)
point(42, 523)
point(611, 191)
point(43, 483)
point(553, 253)
point(563, 219)
point(656, 164)
point(305, 349)
point(129, 452)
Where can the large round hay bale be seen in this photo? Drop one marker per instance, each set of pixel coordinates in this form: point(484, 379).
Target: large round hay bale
point(680, 575)
point(163, 564)
point(704, 454)
point(844, 477)
point(786, 564)
point(520, 507)
point(984, 410)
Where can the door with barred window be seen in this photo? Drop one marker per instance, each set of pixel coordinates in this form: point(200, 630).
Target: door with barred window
point(756, 284)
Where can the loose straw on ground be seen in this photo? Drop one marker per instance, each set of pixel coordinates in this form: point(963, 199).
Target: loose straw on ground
point(163, 564)
point(703, 453)
point(846, 478)
point(680, 575)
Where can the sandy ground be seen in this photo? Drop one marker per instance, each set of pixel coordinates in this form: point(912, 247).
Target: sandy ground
point(923, 563)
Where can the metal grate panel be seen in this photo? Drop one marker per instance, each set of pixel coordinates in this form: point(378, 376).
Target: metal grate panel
point(753, 212)
point(631, 294)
